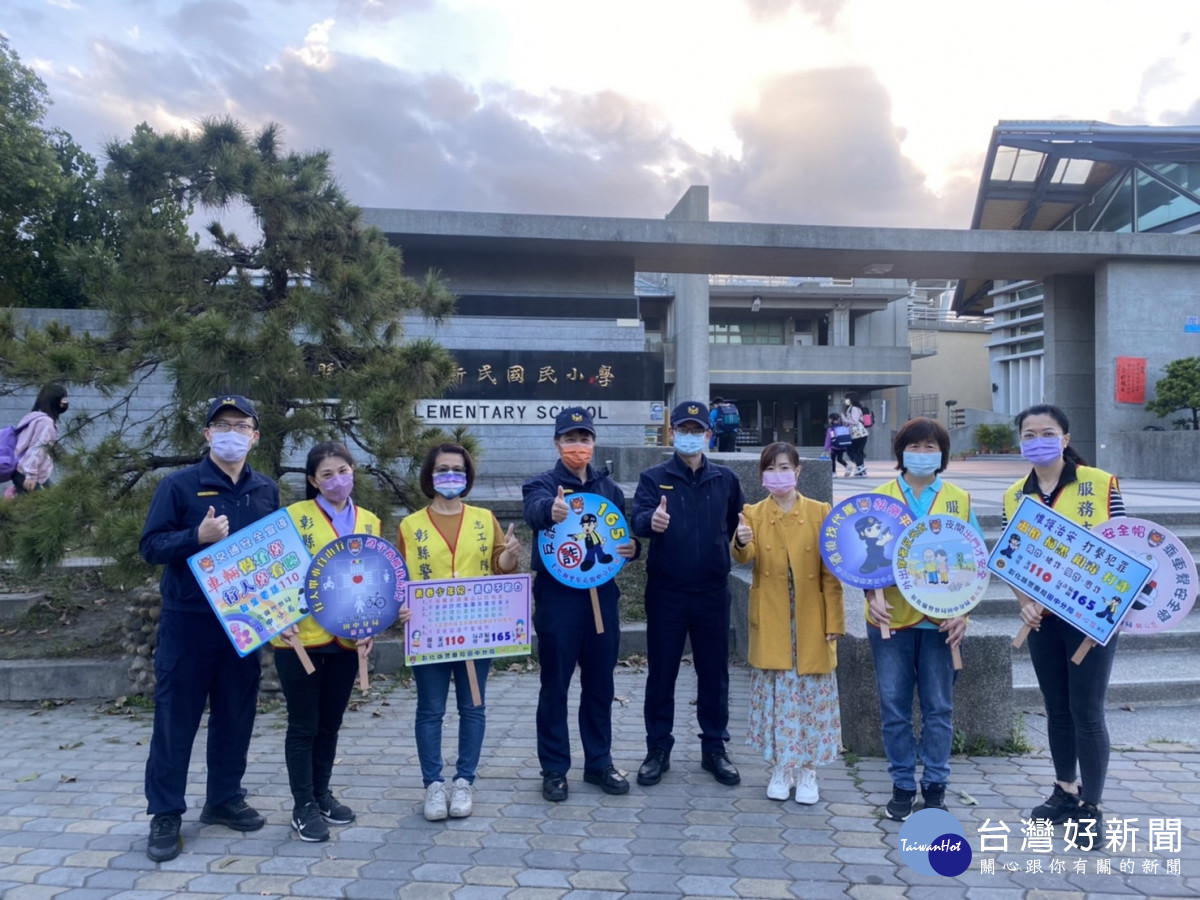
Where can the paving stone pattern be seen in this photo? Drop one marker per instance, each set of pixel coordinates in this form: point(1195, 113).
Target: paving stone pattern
point(72, 821)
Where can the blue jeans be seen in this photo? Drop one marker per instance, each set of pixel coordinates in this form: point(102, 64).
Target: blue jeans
point(915, 658)
point(433, 687)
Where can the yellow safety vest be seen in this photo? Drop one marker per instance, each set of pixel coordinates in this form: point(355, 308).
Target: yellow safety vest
point(317, 531)
point(951, 500)
point(427, 551)
point(1084, 500)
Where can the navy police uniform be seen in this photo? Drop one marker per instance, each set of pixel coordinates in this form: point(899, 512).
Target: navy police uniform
point(687, 590)
point(195, 662)
point(566, 628)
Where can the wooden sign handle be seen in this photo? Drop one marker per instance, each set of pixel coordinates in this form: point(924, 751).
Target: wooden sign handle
point(1088, 644)
point(301, 654)
point(957, 657)
point(596, 610)
point(473, 681)
point(884, 631)
point(364, 676)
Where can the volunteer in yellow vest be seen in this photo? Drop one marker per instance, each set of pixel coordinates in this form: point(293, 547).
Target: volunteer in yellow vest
point(449, 539)
point(796, 616)
point(316, 702)
point(918, 654)
point(1074, 694)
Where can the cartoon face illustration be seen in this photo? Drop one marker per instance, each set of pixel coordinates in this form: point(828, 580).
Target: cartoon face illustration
point(589, 523)
point(928, 555)
point(868, 528)
point(415, 640)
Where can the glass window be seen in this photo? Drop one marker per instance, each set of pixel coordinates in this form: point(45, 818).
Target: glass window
point(1159, 205)
point(754, 330)
point(1118, 216)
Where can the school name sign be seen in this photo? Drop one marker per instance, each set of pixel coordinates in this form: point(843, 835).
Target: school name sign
point(518, 412)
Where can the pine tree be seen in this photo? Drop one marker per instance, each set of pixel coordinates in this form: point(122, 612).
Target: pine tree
point(1179, 389)
point(304, 316)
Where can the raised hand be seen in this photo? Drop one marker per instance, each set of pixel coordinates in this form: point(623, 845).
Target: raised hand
point(743, 534)
point(213, 527)
point(559, 511)
point(661, 520)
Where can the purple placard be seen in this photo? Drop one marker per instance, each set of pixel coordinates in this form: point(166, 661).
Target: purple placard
point(1169, 595)
point(858, 539)
point(356, 586)
point(467, 618)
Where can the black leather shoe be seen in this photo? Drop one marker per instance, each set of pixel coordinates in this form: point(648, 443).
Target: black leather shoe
point(554, 786)
point(720, 766)
point(610, 780)
point(658, 761)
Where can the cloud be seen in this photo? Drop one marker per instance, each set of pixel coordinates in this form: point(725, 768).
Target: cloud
point(824, 11)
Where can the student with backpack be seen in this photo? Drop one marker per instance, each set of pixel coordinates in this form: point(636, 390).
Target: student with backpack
point(726, 421)
point(858, 419)
point(837, 442)
point(35, 437)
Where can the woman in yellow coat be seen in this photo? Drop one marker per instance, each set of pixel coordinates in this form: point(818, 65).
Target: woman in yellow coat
point(796, 617)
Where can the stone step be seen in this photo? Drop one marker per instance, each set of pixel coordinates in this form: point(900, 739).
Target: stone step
point(13, 606)
point(1183, 637)
point(63, 679)
point(1137, 679)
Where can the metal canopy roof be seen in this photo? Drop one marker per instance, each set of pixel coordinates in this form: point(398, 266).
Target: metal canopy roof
point(1037, 173)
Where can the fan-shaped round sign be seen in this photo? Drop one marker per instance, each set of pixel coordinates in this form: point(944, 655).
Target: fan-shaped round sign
point(940, 566)
point(858, 539)
point(1170, 593)
point(356, 585)
point(581, 551)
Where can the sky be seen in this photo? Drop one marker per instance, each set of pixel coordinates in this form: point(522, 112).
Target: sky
point(823, 112)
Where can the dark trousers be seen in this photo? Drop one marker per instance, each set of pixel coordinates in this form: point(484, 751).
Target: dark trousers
point(858, 451)
point(315, 706)
point(194, 664)
point(1074, 696)
point(566, 632)
point(671, 618)
point(837, 457)
point(727, 441)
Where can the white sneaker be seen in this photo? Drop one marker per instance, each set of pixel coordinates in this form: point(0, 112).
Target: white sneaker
point(782, 779)
point(806, 788)
point(436, 806)
point(461, 804)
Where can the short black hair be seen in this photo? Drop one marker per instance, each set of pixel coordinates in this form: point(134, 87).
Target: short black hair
point(921, 429)
point(426, 477)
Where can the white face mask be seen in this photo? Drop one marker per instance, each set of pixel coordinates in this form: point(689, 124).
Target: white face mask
point(229, 446)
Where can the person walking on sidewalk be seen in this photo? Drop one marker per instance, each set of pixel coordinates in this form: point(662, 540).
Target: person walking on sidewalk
point(1074, 694)
point(796, 617)
point(918, 655)
point(449, 539)
point(858, 434)
point(565, 623)
point(195, 663)
point(688, 506)
point(837, 443)
point(317, 702)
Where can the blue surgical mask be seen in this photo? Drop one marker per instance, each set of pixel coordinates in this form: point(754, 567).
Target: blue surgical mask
point(449, 484)
point(922, 464)
point(229, 446)
point(689, 444)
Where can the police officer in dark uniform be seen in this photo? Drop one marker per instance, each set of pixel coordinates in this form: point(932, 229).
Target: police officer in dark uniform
point(688, 507)
point(195, 662)
point(565, 624)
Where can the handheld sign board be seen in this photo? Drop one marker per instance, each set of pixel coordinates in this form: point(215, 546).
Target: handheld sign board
point(467, 618)
point(580, 551)
point(1170, 593)
point(252, 579)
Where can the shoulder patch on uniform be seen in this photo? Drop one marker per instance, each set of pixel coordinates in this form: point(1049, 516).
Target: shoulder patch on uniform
point(667, 487)
point(208, 493)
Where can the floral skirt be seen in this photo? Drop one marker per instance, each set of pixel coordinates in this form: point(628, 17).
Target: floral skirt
point(795, 720)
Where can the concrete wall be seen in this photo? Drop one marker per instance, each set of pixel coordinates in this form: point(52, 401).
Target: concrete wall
point(1159, 455)
point(958, 371)
point(1141, 309)
point(1070, 358)
point(842, 368)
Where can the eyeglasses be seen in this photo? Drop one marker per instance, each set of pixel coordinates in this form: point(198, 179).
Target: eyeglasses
point(239, 427)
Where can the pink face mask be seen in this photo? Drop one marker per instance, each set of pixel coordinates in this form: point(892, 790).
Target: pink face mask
point(337, 488)
point(779, 483)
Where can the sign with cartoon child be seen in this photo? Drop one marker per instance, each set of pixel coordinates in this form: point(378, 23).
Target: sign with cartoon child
point(252, 579)
point(1170, 593)
point(581, 551)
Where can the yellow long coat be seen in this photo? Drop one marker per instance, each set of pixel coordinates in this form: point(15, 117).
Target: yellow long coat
point(819, 609)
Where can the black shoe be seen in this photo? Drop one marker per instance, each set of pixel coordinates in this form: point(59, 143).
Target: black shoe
point(657, 762)
point(235, 814)
point(720, 766)
point(554, 786)
point(934, 796)
point(610, 780)
point(308, 823)
point(900, 806)
point(1059, 806)
point(332, 811)
point(165, 842)
point(1088, 837)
